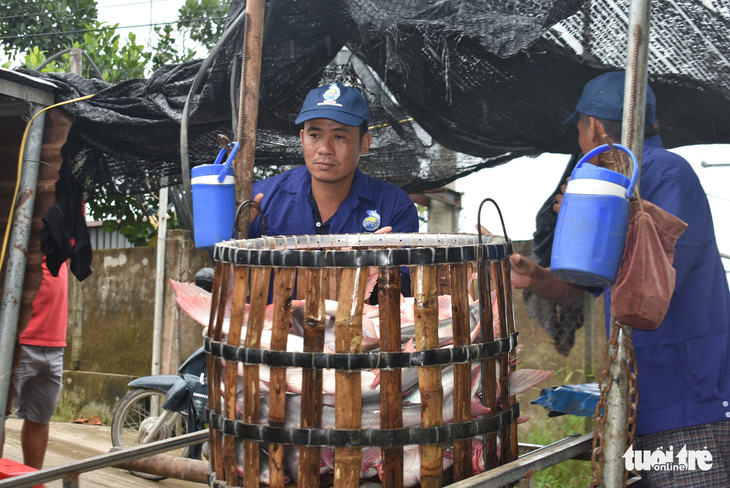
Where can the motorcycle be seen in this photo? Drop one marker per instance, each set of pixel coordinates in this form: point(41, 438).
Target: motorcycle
point(164, 406)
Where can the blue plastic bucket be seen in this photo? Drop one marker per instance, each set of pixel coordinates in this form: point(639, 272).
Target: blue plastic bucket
point(214, 200)
point(590, 235)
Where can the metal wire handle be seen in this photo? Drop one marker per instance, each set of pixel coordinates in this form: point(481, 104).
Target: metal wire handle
point(234, 234)
point(479, 218)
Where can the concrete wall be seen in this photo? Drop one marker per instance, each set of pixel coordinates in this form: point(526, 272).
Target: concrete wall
point(111, 319)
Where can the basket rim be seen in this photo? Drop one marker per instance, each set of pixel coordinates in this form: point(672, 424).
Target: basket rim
point(359, 250)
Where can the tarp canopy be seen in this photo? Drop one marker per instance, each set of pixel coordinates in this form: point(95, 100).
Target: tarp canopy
point(488, 80)
point(454, 86)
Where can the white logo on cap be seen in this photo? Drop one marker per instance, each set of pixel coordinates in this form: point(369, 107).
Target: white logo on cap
point(331, 96)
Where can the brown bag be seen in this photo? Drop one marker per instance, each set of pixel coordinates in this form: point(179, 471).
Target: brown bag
point(645, 283)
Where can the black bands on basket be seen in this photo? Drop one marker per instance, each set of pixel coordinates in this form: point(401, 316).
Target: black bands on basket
point(358, 361)
point(364, 437)
point(327, 251)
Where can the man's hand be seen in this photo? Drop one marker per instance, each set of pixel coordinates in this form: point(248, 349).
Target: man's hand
point(483, 230)
point(384, 230)
point(254, 211)
point(523, 271)
point(559, 196)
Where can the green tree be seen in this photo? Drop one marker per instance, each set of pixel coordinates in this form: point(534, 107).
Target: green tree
point(203, 20)
point(48, 25)
point(118, 59)
point(167, 51)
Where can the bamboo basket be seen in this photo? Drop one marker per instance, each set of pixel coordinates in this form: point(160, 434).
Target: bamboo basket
point(258, 272)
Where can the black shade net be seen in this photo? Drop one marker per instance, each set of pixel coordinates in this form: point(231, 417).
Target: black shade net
point(454, 86)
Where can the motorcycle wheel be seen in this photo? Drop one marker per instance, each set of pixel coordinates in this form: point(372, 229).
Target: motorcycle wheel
point(135, 414)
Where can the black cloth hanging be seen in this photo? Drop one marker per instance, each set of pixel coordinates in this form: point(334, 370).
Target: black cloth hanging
point(64, 233)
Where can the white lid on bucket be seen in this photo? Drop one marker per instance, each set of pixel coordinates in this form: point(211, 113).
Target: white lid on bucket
point(590, 186)
point(212, 180)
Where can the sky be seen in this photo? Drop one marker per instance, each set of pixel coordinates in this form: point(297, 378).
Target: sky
point(138, 16)
point(519, 187)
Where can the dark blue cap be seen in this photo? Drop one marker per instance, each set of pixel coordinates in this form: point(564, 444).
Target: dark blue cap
point(337, 102)
point(603, 98)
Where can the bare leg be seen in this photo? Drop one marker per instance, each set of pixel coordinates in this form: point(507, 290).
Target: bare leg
point(34, 439)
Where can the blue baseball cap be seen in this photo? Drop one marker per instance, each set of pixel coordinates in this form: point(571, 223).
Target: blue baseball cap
point(337, 102)
point(603, 98)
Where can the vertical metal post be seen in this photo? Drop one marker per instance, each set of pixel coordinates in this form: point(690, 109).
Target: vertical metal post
point(634, 114)
point(589, 324)
point(159, 283)
point(76, 320)
point(74, 288)
point(589, 351)
point(632, 136)
point(17, 251)
point(75, 58)
point(617, 414)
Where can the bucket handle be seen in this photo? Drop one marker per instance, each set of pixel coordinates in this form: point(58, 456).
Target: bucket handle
point(606, 147)
point(243, 205)
point(229, 161)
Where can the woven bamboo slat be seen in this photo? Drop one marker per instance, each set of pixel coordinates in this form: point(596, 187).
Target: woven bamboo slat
point(311, 415)
point(348, 392)
point(238, 307)
point(284, 279)
point(429, 377)
point(309, 271)
point(504, 366)
point(217, 312)
point(489, 370)
point(389, 290)
point(260, 278)
point(510, 329)
point(462, 372)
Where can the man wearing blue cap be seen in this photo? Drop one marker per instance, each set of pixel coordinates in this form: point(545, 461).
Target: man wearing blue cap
point(330, 195)
point(684, 365)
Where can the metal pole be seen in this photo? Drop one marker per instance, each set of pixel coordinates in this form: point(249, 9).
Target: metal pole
point(249, 104)
point(632, 136)
point(17, 251)
point(159, 283)
point(589, 352)
point(617, 414)
point(75, 58)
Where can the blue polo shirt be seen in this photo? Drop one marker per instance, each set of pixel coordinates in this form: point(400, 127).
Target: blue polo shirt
point(371, 204)
point(684, 365)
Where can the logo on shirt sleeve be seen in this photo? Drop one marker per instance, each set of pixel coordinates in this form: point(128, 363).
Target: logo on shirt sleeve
point(372, 221)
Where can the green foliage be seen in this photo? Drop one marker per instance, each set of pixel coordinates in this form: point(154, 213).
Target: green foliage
point(568, 474)
point(38, 30)
point(166, 51)
point(48, 25)
point(117, 61)
point(123, 214)
point(203, 20)
point(135, 217)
